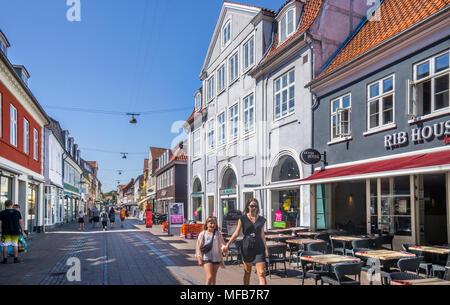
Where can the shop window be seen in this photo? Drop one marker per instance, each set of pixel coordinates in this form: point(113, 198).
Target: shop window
point(286, 169)
point(373, 207)
point(322, 208)
point(5, 191)
point(286, 208)
point(429, 91)
point(197, 200)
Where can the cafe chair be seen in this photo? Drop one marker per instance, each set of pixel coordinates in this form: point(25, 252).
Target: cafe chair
point(361, 245)
point(325, 236)
point(277, 254)
point(383, 240)
point(337, 247)
point(294, 250)
point(405, 265)
point(441, 269)
point(235, 250)
point(342, 272)
point(310, 270)
point(426, 264)
point(319, 247)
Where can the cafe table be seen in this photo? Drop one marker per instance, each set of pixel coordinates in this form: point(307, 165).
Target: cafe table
point(307, 234)
point(329, 259)
point(427, 281)
point(278, 237)
point(434, 250)
point(384, 255)
point(279, 231)
point(303, 241)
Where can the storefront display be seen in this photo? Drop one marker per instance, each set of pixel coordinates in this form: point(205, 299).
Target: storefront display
point(5, 190)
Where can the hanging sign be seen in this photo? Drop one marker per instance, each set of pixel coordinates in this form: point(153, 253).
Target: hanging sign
point(310, 156)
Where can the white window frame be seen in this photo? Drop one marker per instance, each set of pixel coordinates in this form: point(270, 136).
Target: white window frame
point(380, 99)
point(13, 125)
point(233, 122)
point(247, 113)
point(26, 136)
point(221, 128)
point(279, 92)
point(226, 42)
point(198, 101)
point(36, 145)
point(338, 113)
point(210, 88)
point(221, 79)
point(197, 143)
point(233, 67)
point(412, 95)
point(246, 52)
point(211, 134)
point(284, 30)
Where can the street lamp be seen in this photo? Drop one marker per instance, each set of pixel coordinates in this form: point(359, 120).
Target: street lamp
point(133, 119)
point(124, 155)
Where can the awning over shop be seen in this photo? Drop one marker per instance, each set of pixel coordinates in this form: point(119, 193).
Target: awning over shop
point(417, 164)
point(143, 200)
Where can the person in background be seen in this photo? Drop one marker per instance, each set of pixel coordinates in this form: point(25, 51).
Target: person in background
point(254, 248)
point(12, 228)
point(210, 259)
point(81, 220)
point(104, 218)
point(123, 214)
point(95, 216)
point(112, 217)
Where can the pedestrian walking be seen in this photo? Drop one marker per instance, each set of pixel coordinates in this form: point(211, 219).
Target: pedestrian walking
point(254, 248)
point(90, 215)
point(123, 214)
point(112, 217)
point(81, 219)
point(12, 228)
point(95, 216)
point(209, 248)
point(104, 218)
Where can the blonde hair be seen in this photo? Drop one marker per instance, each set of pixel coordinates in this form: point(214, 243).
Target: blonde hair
point(213, 219)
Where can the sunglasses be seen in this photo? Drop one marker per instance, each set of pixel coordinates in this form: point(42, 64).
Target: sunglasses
point(253, 206)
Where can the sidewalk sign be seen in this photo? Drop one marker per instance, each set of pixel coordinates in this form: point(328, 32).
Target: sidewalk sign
point(148, 217)
point(176, 217)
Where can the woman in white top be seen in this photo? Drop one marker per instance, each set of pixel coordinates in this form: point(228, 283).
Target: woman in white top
point(210, 260)
point(81, 219)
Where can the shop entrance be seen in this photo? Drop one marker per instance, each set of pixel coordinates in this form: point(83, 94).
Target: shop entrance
point(228, 201)
point(433, 211)
point(349, 204)
point(197, 195)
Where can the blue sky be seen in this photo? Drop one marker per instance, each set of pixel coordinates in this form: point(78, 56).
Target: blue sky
point(127, 56)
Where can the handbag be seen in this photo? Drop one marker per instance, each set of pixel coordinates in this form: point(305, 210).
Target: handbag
point(208, 246)
point(250, 241)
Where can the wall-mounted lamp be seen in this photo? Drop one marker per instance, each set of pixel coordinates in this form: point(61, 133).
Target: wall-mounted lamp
point(350, 199)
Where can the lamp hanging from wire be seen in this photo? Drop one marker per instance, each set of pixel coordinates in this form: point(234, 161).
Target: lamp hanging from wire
point(133, 119)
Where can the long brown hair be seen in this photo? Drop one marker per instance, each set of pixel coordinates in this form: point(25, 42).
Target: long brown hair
point(247, 209)
point(213, 219)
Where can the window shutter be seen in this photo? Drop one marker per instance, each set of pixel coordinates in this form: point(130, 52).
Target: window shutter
point(411, 101)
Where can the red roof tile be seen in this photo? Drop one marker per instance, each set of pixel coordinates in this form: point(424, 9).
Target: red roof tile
point(395, 17)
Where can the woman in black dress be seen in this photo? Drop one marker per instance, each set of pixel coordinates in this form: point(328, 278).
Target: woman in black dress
point(254, 249)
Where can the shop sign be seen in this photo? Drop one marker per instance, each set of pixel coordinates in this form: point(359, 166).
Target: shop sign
point(197, 194)
point(227, 192)
point(279, 224)
point(418, 135)
point(251, 185)
point(310, 156)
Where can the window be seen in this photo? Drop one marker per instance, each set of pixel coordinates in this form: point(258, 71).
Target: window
point(221, 125)
point(211, 134)
point(249, 51)
point(340, 117)
point(380, 102)
point(249, 114)
point(210, 88)
point(221, 78)
point(26, 137)
point(36, 146)
point(198, 101)
point(234, 67)
point(13, 126)
point(286, 25)
point(197, 142)
point(226, 33)
point(285, 94)
point(429, 91)
point(1, 115)
point(234, 121)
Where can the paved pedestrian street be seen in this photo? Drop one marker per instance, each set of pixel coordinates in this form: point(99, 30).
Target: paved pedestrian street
point(134, 255)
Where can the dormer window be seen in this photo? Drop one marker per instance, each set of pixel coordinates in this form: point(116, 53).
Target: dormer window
point(226, 33)
point(4, 44)
point(286, 25)
point(198, 101)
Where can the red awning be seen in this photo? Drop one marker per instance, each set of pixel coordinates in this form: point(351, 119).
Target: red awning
point(421, 163)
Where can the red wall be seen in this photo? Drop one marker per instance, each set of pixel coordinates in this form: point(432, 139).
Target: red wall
point(10, 152)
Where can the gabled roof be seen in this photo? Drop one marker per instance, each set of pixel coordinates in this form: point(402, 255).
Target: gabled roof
point(310, 12)
point(259, 7)
point(156, 152)
point(395, 16)
point(92, 163)
point(178, 155)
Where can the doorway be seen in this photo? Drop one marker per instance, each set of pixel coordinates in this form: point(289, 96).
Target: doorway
point(433, 214)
